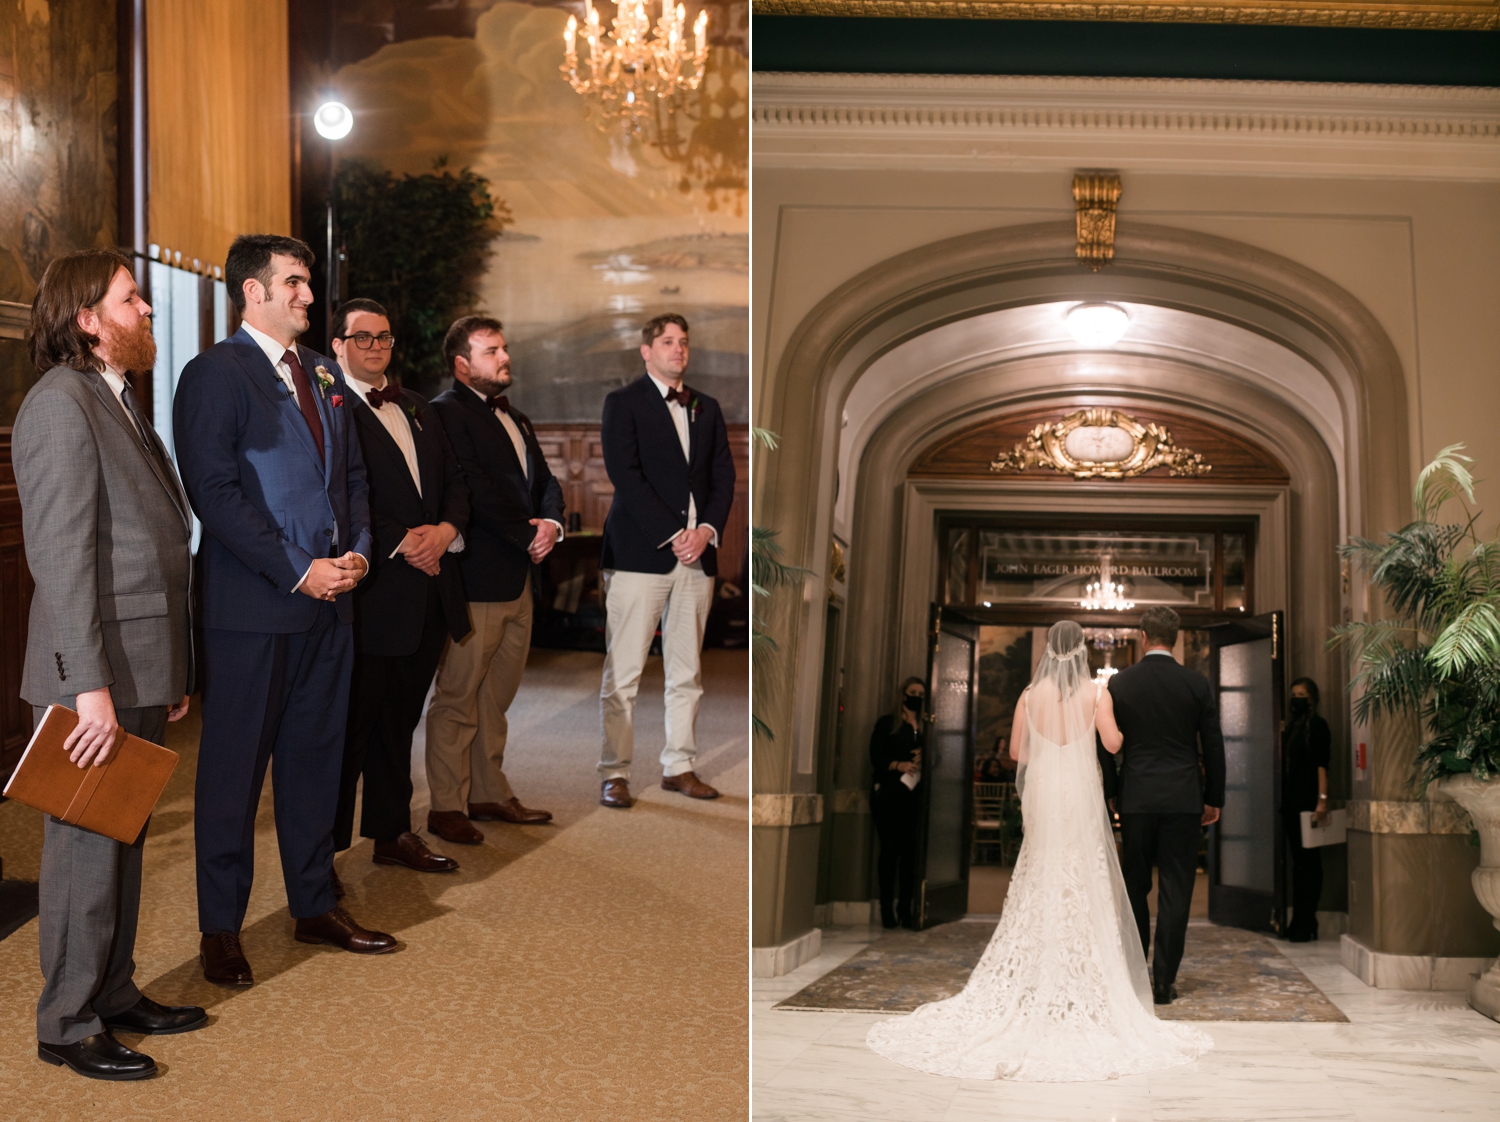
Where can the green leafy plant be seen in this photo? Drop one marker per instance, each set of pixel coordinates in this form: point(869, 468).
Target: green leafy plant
point(768, 572)
point(416, 244)
point(1438, 658)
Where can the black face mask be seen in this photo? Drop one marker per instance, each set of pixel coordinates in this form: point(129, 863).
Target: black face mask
point(1301, 706)
point(914, 703)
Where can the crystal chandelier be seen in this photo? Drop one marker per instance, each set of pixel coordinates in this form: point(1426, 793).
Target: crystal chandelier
point(634, 71)
point(1104, 594)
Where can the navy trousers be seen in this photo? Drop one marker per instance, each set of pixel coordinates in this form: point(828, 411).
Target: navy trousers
point(280, 700)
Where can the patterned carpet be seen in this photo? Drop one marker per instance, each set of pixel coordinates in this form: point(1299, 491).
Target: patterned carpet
point(591, 969)
point(1226, 975)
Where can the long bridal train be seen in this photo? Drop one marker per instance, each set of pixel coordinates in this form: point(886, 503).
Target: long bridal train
point(1062, 993)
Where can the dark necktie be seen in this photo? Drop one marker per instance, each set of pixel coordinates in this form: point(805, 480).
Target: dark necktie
point(305, 401)
point(379, 397)
point(498, 401)
point(142, 426)
point(681, 396)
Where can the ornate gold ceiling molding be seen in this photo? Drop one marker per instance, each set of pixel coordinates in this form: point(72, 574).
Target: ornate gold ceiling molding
point(1101, 444)
point(1480, 15)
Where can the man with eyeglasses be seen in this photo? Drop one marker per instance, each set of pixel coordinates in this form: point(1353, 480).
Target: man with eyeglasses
point(413, 598)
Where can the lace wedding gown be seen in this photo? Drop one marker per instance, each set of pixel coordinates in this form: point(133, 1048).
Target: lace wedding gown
point(1062, 992)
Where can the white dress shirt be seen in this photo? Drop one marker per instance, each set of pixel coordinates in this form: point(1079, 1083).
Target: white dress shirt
point(116, 382)
point(277, 354)
point(393, 417)
point(680, 420)
point(518, 442)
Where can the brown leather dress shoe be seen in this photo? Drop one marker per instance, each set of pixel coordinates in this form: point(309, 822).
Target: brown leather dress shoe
point(412, 851)
point(453, 826)
point(338, 885)
point(690, 785)
point(615, 792)
point(223, 960)
point(338, 927)
point(510, 810)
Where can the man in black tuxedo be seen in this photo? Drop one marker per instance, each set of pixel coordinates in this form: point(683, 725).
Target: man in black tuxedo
point(413, 598)
point(667, 453)
point(515, 518)
point(1169, 718)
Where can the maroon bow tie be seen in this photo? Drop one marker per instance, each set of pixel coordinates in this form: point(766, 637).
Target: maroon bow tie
point(378, 398)
point(681, 396)
point(498, 401)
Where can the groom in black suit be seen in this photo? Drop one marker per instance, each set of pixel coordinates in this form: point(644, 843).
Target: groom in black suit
point(413, 598)
point(1169, 718)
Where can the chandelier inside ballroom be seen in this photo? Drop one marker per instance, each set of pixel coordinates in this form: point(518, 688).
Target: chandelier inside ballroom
point(634, 73)
point(1105, 594)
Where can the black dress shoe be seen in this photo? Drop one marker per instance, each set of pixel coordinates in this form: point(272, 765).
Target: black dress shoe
point(100, 1056)
point(150, 1019)
point(1164, 996)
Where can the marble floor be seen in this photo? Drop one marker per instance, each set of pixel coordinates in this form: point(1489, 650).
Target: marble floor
point(1403, 1056)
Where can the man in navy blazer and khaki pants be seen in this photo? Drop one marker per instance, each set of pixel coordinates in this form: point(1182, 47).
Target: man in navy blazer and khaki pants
point(273, 469)
point(667, 453)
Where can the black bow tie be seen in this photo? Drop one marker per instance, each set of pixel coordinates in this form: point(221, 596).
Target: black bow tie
point(377, 398)
point(498, 401)
point(681, 396)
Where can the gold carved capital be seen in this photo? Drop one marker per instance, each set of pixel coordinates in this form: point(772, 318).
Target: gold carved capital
point(1096, 195)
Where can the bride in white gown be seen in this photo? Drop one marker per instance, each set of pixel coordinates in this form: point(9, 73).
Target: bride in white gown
point(1062, 992)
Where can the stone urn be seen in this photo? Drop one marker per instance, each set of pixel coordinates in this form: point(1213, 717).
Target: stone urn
point(1481, 798)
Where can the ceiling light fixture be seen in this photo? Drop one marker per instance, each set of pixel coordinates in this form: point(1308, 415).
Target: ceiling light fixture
point(333, 120)
point(1097, 325)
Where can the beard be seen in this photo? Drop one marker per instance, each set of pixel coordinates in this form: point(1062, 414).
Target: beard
point(498, 384)
point(131, 349)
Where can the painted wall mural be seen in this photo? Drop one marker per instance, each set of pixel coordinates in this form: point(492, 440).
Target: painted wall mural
point(608, 230)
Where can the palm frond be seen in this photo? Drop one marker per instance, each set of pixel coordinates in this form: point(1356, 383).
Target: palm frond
point(1446, 477)
point(1471, 639)
point(766, 439)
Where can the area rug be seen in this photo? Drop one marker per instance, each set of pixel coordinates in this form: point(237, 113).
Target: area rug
point(1226, 975)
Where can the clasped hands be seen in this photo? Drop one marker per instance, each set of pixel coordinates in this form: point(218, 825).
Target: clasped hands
point(424, 546)
point(689, 545)
point(330, 577)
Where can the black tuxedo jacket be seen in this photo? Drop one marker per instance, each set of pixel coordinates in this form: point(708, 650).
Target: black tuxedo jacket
point(652, 481)
point(1168, 716)
point(391, 602)
point(501, 502)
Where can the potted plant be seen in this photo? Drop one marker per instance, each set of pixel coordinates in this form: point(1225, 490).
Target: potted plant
point(1438, 659)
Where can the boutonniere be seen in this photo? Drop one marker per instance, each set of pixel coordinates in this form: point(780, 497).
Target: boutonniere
point(695, 406)
point(337, 400)
point(416, 416)
point(325, 380)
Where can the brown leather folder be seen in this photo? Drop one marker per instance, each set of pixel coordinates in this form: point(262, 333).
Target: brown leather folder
point(114, 800)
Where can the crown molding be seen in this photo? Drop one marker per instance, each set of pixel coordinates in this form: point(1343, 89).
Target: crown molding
point(1477, 15)
point(1274, 127)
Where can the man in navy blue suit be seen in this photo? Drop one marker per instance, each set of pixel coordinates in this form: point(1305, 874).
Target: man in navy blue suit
point(667, 453)
point(274, 472)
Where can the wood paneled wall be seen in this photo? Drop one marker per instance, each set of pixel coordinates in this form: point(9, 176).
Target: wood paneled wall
point(576, 457)
point(220, 124)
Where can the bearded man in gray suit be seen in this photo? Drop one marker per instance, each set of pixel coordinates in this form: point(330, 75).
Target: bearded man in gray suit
point(107, 530)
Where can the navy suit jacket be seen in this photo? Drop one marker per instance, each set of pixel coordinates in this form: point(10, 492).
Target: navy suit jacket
point(1169, 718)
point(270, 500)
point(502, 501)
point(391, 602)
point(652, 480)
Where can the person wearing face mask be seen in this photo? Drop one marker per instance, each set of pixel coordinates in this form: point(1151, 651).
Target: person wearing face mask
point(896, 763)
point(1305, 747)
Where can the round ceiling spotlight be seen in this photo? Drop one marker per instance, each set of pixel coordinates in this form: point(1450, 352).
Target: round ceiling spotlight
point(1097, 325)
point(333, 120)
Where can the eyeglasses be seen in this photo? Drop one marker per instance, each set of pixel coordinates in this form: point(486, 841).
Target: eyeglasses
point(364, 340)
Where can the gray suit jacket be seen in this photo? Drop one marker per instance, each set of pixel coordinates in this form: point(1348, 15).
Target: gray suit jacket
point(107, 530)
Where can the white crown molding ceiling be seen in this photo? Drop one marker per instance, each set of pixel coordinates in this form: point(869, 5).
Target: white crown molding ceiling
point(949, 122)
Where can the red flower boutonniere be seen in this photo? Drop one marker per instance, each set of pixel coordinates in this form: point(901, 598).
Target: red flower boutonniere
point(336, 400)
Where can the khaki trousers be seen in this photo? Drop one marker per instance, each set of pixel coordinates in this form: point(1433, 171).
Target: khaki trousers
point(634, 603)
point(476, 682)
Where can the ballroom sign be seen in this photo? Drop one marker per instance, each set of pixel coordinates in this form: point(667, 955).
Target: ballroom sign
point(1100, 444)
point(1032, 567)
